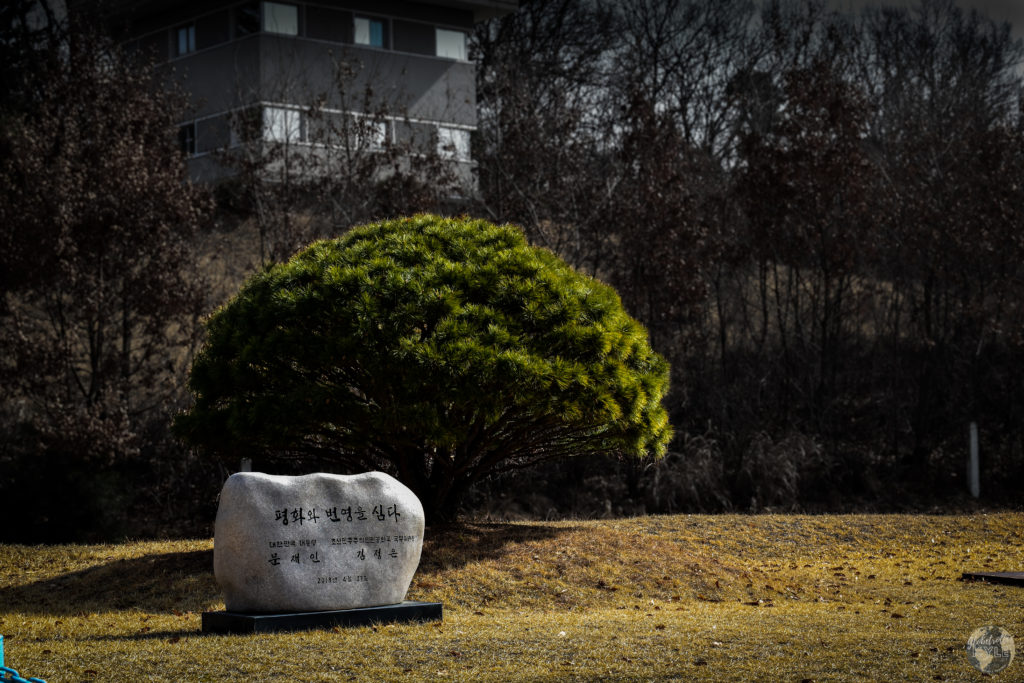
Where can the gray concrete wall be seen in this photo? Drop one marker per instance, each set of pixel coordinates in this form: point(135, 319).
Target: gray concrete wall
point(227, 74)
point(213, 134)
point(213, 29)
point(287, 69)
point(263, 68)
point(322, 20)
point(450, 16)
point(419, 87)
point(221, 78)
point(328, 23)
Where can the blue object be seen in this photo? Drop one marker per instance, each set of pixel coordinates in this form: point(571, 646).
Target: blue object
point(10, 675)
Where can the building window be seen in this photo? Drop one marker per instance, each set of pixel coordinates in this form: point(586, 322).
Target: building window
point(282, 125)
point(453, 143)
point(186, 40)
point(246, 125)
point(281, 18)
point(247, 19)
point(187, 138)
point(369, 32)
point(451, 44)
point(371, 135)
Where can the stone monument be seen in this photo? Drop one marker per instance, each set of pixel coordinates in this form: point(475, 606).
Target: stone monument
point(316, 550)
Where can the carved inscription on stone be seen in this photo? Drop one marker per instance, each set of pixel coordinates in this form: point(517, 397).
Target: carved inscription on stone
point(315, 542)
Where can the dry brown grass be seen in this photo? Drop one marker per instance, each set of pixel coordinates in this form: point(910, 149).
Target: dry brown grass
point(726, 598)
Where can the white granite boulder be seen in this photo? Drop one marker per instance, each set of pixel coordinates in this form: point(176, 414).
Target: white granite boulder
point(315, 542)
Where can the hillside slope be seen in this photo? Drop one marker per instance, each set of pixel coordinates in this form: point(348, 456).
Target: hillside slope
point(769, 597)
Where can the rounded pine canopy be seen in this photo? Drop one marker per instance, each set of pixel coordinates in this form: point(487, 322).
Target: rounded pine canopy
point(423, 344)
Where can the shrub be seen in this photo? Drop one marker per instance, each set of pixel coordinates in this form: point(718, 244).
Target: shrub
point(440, 350)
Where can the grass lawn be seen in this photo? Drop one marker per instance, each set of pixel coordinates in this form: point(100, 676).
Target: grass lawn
point(768, 598)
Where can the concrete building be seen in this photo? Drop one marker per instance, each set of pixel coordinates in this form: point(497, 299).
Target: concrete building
point(397, 67)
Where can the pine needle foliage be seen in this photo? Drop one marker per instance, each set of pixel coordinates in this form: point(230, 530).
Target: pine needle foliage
point(441, 350)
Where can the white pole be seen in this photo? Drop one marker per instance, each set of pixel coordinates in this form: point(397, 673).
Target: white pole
point(246, 466)
point(973, 467)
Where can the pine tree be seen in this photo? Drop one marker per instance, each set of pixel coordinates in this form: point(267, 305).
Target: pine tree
point(440, 350)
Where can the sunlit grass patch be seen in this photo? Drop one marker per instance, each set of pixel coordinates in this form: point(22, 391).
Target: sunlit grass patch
point(687, 597)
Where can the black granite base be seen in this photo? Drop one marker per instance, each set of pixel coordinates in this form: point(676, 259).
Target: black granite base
point(236, 622)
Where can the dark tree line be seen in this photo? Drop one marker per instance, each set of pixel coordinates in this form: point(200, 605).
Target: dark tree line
point(817, 215)
point(100, 295)
point(110, 260)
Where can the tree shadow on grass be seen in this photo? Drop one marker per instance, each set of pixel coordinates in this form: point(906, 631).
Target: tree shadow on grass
point(454, 546)
point(169, 636)
point(169, 582)
point(184, 581)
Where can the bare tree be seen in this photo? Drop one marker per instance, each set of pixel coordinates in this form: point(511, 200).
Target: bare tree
point(100, 300)
point(544, 111)
point(330, 160)
point(803, 205)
